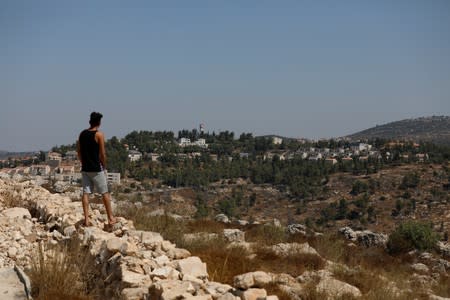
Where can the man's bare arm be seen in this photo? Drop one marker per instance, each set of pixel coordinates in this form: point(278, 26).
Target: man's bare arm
point(101, 143)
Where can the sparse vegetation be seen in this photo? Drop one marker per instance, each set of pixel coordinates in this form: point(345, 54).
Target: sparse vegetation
point(63, 272)
point(412, 235)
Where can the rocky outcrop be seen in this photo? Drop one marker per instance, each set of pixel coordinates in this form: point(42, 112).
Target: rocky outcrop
point(222, 218)
point(328, 285)
point(444, 248)
point(296, 229)
point(134, 264)
point(365, 237)
point(285, 249)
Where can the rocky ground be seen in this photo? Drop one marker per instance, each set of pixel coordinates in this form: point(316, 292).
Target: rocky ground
point(137, 264)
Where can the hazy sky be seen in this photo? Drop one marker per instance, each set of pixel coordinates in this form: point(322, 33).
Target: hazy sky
point(294, 68)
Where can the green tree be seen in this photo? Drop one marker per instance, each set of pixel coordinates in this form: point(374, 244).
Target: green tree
point(359, 187)
point(412, 235)
point(410, 180)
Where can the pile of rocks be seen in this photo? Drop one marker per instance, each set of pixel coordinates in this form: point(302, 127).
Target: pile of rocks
point(134, 264)
point(365, 237)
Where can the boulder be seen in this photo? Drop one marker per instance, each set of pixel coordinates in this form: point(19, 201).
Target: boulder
point(192, 266)
point(244, 281)
point(116, 244)
point(365, 237)
point(222, 218)
point(134, 293)
point(178, 253)
point(252, 294)
point(285, 249)
point(252, 279)
point(171, 289)
point(133, 279)
point(16, 212)
point(199, 236)
point(444, 248)
point(61, 186)
point(296, 229)
point(151, 239)
point(228, 296)
point(165, 273)
point(419, 267)
point(336, 288)
point(369, 238)
point(216, 289)
point(234, 235)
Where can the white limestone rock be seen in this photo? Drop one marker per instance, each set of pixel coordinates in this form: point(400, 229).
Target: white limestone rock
point(165, 273)
point(222, 218)
point(419, 267)
point(336, 288)
point(285, 249)
point(234, 235)
point(178, 253)
point(192, 266)
point(252, 294)
point(132, 279)
point(171, 289)
point(228, 296)
point(134, 293)
point(16, 212)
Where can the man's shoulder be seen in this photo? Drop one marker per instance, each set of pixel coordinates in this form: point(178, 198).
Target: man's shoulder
point(83, 132)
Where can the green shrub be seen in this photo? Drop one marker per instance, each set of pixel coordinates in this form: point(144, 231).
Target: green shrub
point(412, 235)
point(359, 187)
point(410, 180)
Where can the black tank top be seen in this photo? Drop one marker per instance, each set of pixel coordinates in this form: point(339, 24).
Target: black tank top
point(90, 154)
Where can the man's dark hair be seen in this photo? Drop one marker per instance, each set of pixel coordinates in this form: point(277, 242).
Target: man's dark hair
point(95, 119)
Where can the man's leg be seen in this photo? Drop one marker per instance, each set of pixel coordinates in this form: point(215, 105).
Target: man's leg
point(85, 200)
point(107, 202)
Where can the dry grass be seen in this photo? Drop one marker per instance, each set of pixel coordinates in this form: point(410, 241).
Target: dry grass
point(205, 225)
point(9, 200)
point(169, 228)
point(443, 287)
point(294, 264)
point(63, 272)
point(274, 289)
point(310, 292)
point(331, 246)
point(223, 262)
point(266, 235)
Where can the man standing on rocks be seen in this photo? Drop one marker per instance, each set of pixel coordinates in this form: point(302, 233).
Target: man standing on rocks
point(92, 155)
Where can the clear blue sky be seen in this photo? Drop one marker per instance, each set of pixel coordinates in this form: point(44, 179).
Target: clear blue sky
point(294, 68)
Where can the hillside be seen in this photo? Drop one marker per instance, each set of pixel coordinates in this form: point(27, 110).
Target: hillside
point(434, 129)
point(7, 154)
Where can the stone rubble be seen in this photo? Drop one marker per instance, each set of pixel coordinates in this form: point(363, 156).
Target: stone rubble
point(365, 237)
point(137, 264)
point(134, 264)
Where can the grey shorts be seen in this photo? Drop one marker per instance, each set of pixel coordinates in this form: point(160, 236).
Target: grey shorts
point(94, 179)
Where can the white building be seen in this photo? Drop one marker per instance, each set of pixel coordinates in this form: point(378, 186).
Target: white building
point(54, 156)
point(200, 142)
point(185, 142)
point(277, 140)
point(358, 147)
point(113, 178)
point(42, 170)
point(134, 155)
point(153, 156)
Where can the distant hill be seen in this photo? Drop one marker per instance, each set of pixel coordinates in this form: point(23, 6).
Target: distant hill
point(434, 129)
point(7, 154)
